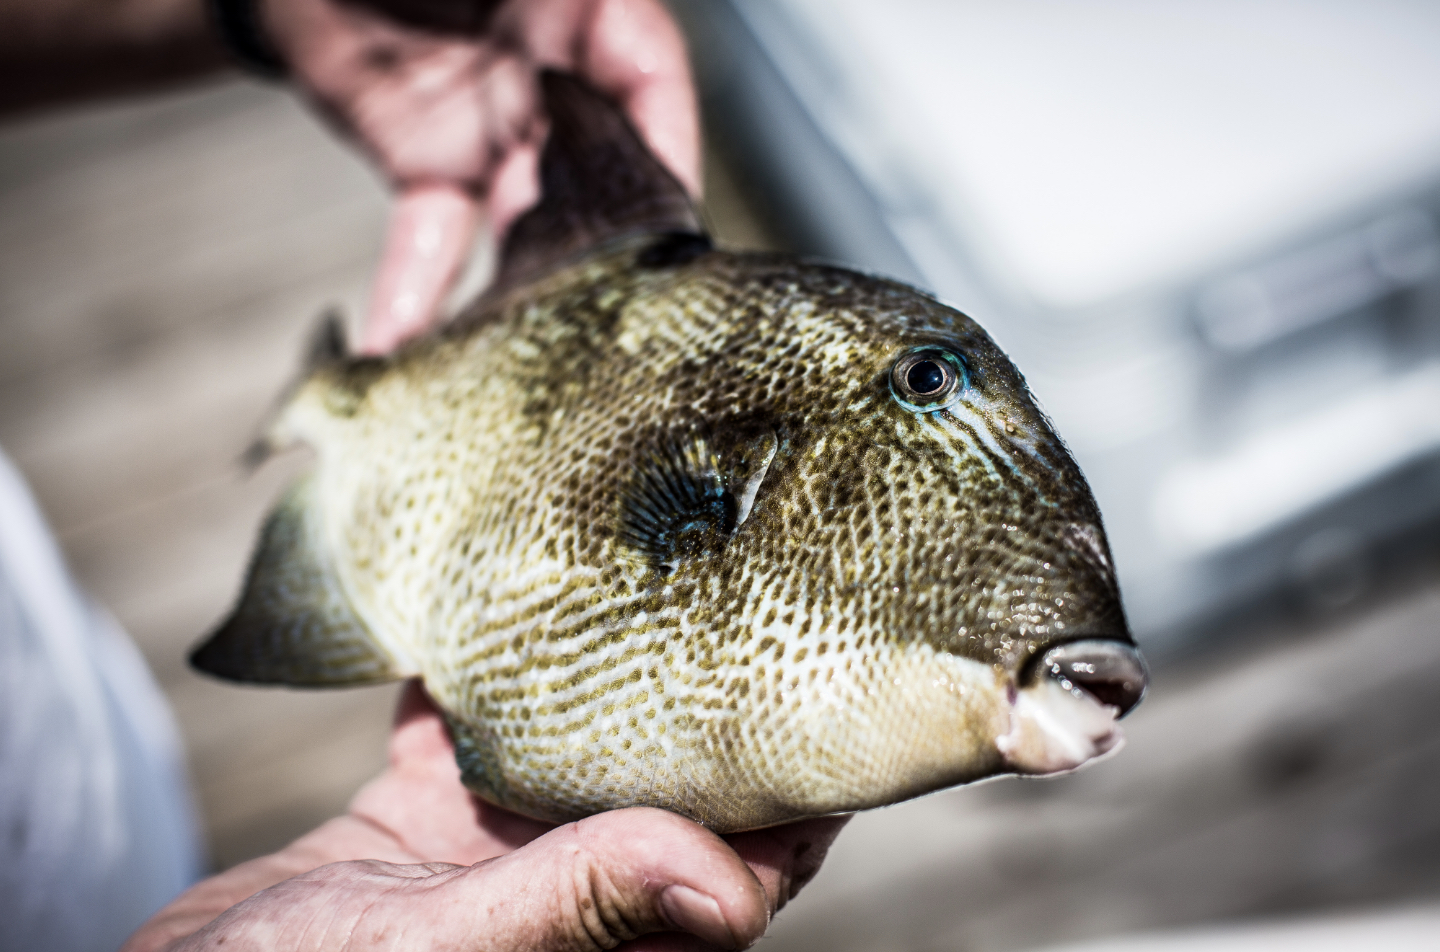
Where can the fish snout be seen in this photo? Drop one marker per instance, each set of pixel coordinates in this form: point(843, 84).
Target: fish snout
point(1112, 672)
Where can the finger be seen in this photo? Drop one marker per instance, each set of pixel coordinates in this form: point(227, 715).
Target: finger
point(588, 886)
point(515, 188)
point(431, 229)
point(633, 50)
point(785, 858)
point(202, 903)
point(609, 878)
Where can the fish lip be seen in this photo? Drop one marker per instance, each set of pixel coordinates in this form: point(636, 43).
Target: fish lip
point(1118, 674)
point(1053, 729)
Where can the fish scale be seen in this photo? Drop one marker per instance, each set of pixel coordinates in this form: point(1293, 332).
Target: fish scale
point(659, 524)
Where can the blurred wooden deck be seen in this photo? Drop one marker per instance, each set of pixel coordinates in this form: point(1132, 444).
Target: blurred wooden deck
point(160, 264)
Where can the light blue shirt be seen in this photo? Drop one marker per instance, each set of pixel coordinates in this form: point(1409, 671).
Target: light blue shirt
point(97, 830)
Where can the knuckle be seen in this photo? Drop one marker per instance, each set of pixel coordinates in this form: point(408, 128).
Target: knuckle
point(598, 911)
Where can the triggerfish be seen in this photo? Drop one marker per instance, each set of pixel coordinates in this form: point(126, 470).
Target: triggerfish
point(737, 535)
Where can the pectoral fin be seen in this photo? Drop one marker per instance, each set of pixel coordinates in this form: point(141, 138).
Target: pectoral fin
point(294, 624)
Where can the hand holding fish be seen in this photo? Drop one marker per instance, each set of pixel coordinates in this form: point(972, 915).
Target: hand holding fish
point(418, 856)
point(443, 97)
point(984, 636)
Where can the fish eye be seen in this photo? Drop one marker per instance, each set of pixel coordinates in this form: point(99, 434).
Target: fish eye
point(927, 379)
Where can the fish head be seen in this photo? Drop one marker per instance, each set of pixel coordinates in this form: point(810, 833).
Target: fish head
point(892, 529)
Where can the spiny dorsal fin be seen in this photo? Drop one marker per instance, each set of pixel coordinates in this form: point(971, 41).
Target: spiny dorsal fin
point(597, 181)
point(328, 344)
point(326, 347)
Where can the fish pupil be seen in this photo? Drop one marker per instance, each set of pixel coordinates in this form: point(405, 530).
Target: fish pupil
point(926, 377)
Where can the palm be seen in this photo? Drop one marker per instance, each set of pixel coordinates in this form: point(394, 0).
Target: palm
point(421, 800)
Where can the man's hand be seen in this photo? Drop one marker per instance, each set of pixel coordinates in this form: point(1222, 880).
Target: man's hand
point(443, 96)
point(418, 861)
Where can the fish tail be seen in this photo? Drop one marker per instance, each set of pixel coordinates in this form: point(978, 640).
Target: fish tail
point(294, 623)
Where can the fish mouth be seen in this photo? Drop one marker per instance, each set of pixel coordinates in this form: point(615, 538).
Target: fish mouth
point(1065, 711)
point(1112, 672)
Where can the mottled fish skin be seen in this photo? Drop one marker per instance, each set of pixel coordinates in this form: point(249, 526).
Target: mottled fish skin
point(655, 529)
point(847, 646)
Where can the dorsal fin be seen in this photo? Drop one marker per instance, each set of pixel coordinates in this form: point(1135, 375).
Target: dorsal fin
point(326, 348)
point(597, 181)
point(328, 342)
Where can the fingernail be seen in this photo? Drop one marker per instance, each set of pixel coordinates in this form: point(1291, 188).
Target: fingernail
point(696, 913)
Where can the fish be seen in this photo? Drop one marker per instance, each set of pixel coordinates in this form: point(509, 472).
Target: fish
point(739, 535)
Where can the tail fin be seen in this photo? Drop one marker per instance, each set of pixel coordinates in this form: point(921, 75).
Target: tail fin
point(294, 624)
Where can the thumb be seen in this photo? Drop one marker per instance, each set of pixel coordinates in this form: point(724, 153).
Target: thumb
point(604, 880)
point(582, 887)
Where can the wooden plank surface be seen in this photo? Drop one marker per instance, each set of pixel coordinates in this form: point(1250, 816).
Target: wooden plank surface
point(160, 265)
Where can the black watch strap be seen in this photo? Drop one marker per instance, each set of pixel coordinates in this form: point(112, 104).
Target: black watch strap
point(239, 26)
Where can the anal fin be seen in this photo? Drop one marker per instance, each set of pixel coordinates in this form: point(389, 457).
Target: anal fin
point(294, 624)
